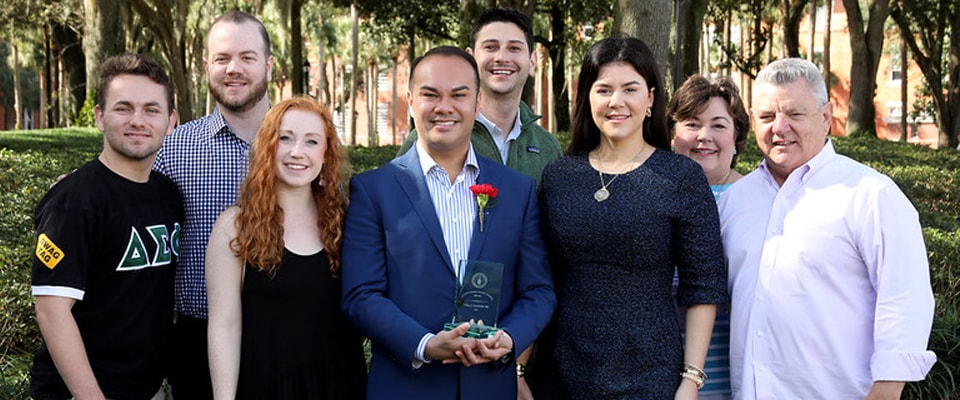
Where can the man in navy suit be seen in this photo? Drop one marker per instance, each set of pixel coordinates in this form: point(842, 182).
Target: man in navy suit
point(413, 220)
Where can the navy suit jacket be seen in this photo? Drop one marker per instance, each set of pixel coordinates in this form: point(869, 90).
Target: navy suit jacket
point(399, 284)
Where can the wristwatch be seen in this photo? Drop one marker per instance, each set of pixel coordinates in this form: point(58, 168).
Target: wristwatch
point(507, 358)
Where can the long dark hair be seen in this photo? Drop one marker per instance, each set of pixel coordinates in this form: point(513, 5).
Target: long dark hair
point(586, 134)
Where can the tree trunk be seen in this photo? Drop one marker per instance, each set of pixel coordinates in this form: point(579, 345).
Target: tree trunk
point(336, 100)
point(44, 106)
point(296, 49)
point(746, 84)
point(470, 10)
point(394, 99)
point(951, 118)
point(17, 90)
point(167, 21)
point(411, 43)
point(644, 19)
point(67, 102)
point(813, 31)
point(323, 94)
point(693, 12)
point(727, 41)
point(44, 78)
point(921, 30)
point(355, 39)
point(102, 27)
point(181, 84)
point(705, 53)
point(70, 74)
point(558, 51)
point(793, 13)
point(904, 103)
point(866, 46)
point(53, 87)
point(373, 137)
point(827, 31)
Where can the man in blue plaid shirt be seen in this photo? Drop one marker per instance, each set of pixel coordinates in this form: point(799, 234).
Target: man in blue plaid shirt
point(207, 159)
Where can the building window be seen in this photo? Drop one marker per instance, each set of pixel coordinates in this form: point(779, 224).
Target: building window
point(896, 69)
point(895, 110)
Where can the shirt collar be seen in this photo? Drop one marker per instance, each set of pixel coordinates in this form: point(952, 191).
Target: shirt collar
point(427, 163)
point(218, 124)
point(492, 128)
point(816, 163)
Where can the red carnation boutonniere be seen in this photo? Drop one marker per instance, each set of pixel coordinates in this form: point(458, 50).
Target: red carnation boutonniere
point(484, 193)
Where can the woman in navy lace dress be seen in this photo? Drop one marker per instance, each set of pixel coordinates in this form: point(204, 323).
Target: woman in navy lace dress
point(621, 212)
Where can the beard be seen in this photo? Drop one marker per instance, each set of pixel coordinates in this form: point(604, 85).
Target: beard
point(242, 104)
point(132, 151)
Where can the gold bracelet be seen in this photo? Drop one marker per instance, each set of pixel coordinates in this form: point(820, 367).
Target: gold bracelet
point(694, 369)
point(697, 379)
point(695, 374)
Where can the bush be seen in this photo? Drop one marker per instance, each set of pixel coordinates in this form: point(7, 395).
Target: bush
point(941, 382)
point(85, 116)
point(929, 178)
point(14, 372)
point(30, 161)
point(367, 158)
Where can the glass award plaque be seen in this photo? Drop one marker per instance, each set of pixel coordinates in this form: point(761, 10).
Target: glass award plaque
point(477, 299)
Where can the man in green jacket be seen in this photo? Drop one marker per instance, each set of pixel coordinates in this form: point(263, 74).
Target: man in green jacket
point(505, 129)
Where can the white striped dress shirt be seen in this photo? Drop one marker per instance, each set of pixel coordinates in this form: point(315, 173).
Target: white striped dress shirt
point(456, 209)
point(454, 202)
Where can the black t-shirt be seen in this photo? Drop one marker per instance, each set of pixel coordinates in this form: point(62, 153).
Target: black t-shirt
point(112, 244)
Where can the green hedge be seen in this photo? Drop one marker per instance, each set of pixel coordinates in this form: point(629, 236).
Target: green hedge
point(30, 161)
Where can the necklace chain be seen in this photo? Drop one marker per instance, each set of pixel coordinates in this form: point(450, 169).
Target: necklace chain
point(727, 178)
point(602, 193)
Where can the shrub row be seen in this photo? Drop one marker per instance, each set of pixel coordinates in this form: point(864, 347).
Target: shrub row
point(30, 161)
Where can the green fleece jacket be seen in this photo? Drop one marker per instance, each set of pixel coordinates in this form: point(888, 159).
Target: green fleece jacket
point(534, 148)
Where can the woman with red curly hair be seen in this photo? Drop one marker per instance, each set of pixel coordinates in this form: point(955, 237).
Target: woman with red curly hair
point(273, 267)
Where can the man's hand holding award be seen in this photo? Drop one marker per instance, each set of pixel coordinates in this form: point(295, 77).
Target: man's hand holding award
point(472, 335)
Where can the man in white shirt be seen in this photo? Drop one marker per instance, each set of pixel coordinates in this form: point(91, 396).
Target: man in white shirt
point(830, 285)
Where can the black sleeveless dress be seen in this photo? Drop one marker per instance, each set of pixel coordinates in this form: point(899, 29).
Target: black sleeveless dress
point(295, 342)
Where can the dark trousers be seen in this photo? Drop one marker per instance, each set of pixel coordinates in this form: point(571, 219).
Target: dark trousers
point(190, 371)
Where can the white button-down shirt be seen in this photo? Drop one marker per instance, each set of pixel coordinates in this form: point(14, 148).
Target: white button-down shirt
point(829, 281)
point(454, 203)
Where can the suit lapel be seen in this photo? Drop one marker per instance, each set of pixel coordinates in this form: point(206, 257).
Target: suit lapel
point(410, 178)
point(487, 175)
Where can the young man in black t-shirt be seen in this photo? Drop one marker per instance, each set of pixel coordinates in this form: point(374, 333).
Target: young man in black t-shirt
point(108, 238)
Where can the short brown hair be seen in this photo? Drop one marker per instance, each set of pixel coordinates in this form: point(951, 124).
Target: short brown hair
point(240, 17)
point(508, 15)
point(692, 98)
point(133, 64)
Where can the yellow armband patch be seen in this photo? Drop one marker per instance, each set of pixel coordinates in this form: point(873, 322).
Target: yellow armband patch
point(48, 252)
